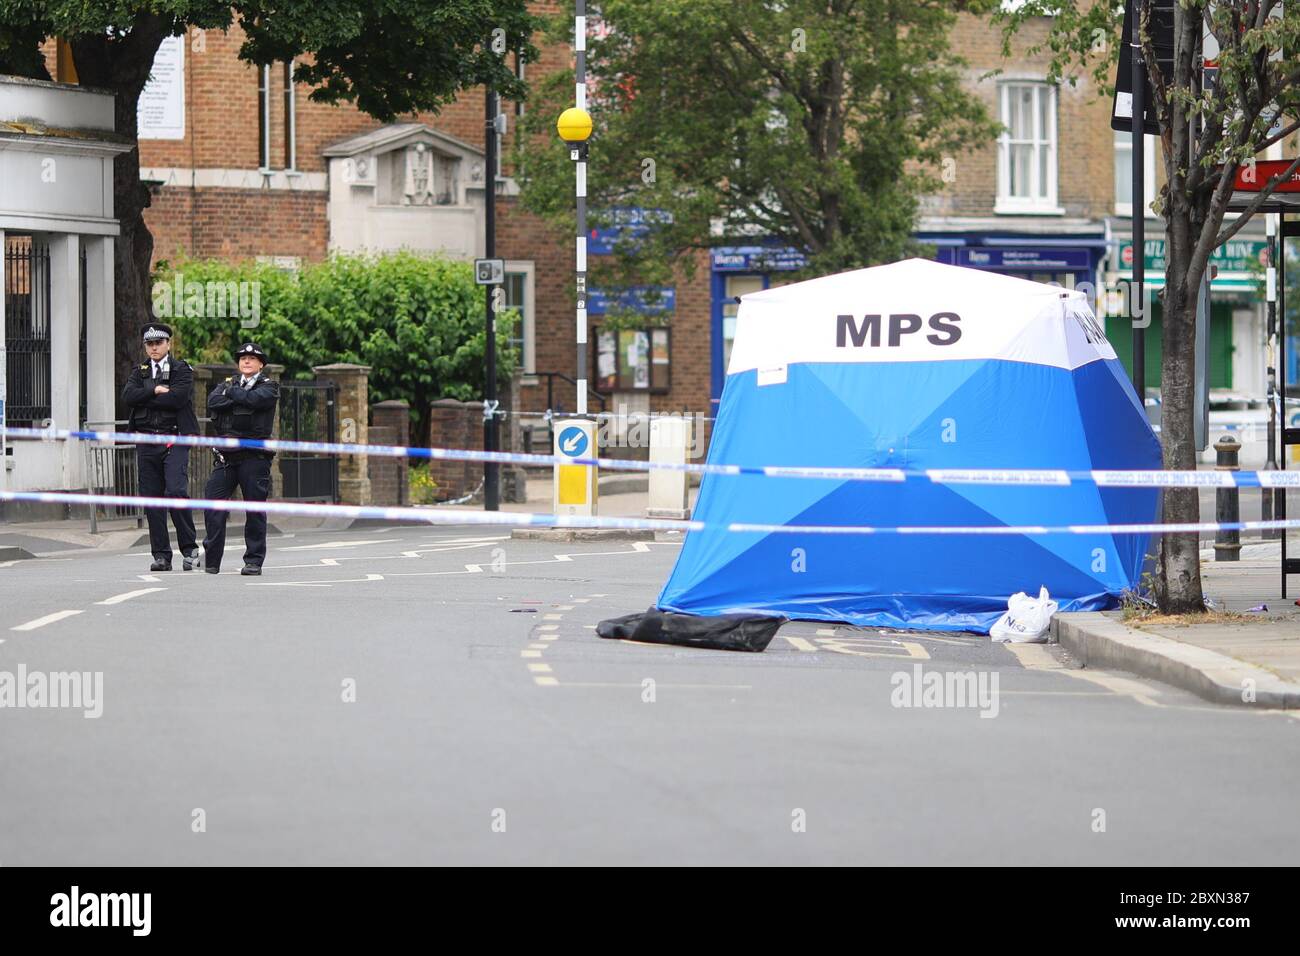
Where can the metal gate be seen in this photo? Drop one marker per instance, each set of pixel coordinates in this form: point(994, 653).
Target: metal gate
point(27, 331)
point(308, 413)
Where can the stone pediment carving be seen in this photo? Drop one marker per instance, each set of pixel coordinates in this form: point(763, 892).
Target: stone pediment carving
point(409, 164)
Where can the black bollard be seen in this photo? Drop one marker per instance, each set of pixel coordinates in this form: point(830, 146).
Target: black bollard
point(1227, 501)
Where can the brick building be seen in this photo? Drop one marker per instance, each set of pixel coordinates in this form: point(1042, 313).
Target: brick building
point(243, 165)
point(1051, 200)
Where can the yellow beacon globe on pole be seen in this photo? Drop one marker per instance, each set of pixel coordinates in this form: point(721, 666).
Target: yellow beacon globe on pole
point(574, 125)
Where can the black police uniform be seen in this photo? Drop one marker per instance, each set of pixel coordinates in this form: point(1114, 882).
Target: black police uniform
point(164, 469)
point(240, 411)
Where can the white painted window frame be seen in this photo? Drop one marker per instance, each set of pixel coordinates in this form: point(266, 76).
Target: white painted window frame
point(1151, 146)
point(529, 270)
point(1044, 200)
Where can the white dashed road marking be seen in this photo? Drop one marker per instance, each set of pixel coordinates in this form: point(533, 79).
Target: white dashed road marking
point(119, 598)
point(42, 621)
point(315, 584)
point(334, 544)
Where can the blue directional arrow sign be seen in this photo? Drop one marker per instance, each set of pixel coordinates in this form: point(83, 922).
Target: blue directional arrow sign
point(573, 442)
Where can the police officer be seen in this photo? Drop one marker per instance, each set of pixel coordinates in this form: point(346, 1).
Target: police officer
point(242, 406)
point(160, 394)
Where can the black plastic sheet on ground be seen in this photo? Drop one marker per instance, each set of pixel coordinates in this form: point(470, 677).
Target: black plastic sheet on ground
point(725, 632)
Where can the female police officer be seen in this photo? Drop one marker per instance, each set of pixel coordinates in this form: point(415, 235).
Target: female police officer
point(242, 406)
point(160, 394)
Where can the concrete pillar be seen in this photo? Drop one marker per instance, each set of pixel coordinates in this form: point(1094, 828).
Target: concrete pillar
point(352, 413)
point(101, 397)
point(65, 351)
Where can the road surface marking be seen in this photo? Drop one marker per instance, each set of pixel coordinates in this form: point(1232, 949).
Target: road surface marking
point(1035, 657)
point(315, 584)
point(545, 681)
point(799, 644)
point(119, 598)
point(662, 686)
point(551, 637)
point(530, 653)
point(581, 600)
point(537, 647)
point(867, 647)
point(540, 668)
point(42, 621)
point(327, 545)
point(548, 627)
point(825, 632)
point(564, 607)
point(1123, 686)
point(416, 552)
point(148, 577)
point(552, 617)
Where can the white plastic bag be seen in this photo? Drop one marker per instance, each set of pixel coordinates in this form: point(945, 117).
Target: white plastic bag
point(1026, 619)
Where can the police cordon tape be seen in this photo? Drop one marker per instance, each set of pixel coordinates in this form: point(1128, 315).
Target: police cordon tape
point(945, 476)
point(529, 519)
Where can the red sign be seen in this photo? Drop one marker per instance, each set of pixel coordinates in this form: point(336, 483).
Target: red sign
point(1252, 177)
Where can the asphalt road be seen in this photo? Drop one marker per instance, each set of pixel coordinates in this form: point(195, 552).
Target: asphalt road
point(491, 725)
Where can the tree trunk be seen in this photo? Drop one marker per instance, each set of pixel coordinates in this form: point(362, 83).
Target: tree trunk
point(122, 64)
point(1178, 584)
point(133, 250)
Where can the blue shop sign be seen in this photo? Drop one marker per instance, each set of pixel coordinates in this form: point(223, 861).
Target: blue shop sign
point(644, 299)
point(1024, 260)
point(626, 222)
point(757, 259)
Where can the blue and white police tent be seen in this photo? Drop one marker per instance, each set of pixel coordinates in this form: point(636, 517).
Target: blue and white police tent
point(917, 365)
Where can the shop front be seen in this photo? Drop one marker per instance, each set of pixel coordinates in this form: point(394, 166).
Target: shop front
point(737, 271)
point(1236, 333)
point(1070, 261)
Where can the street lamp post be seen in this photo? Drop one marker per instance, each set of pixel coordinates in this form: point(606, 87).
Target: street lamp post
point(491, 470)
point(574, 127)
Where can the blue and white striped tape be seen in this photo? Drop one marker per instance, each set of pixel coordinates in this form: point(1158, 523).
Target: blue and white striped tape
point(527, 519)
point(946, 476)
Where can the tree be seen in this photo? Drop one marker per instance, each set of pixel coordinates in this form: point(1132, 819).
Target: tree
point(416, 320)
point(1255, 85)
point(390, 57)
point(816, 123)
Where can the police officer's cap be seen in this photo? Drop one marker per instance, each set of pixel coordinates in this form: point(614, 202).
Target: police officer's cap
point(156, 331)
point(250, 348)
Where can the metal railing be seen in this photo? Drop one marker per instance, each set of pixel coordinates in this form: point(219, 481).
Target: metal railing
point(111, 469)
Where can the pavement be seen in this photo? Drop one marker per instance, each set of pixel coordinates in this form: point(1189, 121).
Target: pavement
point(415, 695)
point(1252, 661)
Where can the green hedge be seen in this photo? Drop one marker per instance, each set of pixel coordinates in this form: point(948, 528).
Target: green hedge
point(416, 320)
